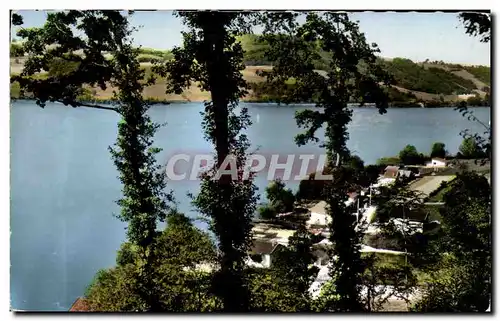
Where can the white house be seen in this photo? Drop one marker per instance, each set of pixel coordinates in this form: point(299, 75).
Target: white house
point(319, 217)
point(437, 162)
point(465, 96)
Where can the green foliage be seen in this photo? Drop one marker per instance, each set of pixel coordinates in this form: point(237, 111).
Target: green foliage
point(478, 101)
point(397, 97)
point(213, 57)
point(256, 47)
point(470, 149)
point(483, 73)
point(370, 175)
point(475, 143)
point(161, 54)
point(293, 48)
point(312, 188)
point(60, 67)
point(143, 203)
point(16, 19)
point(293, 270)
point(477, 24)
point(128, 254)
point(280, 198)
point(412, 76)
point(16, 50)
point(438, 150)
point(115, 290)
point(179, 287)
point(15, 90)
point(410, 156)
point(267, 295)
point(455, 287)
point(267, 212)
point(462, 281)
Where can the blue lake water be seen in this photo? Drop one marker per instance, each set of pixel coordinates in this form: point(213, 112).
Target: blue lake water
point(64, 184)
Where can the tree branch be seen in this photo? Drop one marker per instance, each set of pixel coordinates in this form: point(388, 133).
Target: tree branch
point(93, 106)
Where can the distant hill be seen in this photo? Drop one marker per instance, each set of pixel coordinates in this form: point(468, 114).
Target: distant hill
point(428, 83)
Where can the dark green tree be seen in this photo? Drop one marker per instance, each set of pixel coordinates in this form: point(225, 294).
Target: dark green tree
point(280, 198)
point(438, 150)
point(16, 50)
point(410, 156)
point(353, 75)
point(212, 57)
point(293, 269)
point(144, 201)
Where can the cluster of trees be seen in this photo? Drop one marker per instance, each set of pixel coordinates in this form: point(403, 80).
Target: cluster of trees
point(281, 200)
point(161, 270)
point(477, 101)
point(409, 155)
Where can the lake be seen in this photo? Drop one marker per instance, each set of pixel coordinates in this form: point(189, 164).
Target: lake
point(64, 184)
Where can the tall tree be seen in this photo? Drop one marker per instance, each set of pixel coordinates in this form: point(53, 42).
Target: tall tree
point(353, 75)
point(410, 156)
point(212, 57)
point(294, 271)
point(144, 201)
point(438, 150)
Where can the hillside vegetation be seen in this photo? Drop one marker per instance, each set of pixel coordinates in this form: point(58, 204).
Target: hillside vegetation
point(428, 83)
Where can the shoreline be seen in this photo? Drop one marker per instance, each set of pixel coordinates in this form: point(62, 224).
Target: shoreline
point(153, 101)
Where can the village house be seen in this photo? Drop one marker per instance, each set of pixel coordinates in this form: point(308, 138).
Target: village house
point(391, 173)
point(437, 162)
point(262, 253)
point(320, 218)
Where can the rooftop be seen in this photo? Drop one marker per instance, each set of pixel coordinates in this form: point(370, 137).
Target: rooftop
point(80, 305)
point(263, 247)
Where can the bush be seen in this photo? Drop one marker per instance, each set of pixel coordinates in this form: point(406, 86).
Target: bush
point(267, 212)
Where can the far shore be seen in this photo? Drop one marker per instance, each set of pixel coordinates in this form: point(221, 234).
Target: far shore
point(154, 101)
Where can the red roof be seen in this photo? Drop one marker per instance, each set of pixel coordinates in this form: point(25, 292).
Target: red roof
point(352, 195)
point(391, 171)
point(80, 305)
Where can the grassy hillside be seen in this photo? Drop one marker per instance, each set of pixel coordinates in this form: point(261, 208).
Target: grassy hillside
point(432, 80)
point(480, 72)
point(433, 83)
